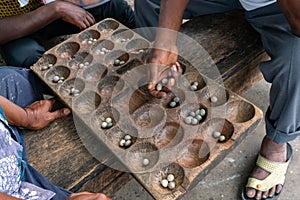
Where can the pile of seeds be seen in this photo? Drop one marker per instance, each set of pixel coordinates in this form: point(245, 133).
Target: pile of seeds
point(118, 62)
point(170, 79)
point(168, 182)
point(126, 141)
point(195, 117)
point(74, 91)
point(45, 67)
point(103, 51)
point(219, 136)
point(58, 79)
point(89, 41)
point(107, 123)
point(82, 65)
point(195, 86)
point(175, 102)
point(125, 40)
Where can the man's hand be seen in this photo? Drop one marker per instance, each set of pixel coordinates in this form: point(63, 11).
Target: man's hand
point(39, 115)
point(87, 196)
point(163, 63)
point(74, 14)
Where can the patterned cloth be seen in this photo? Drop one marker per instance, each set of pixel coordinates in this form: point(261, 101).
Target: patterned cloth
point(12, 168)
point(13, 7)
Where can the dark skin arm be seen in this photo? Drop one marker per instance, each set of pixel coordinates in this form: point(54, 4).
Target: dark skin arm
point(19, 26)
point(291, 10)
point(35, 116)
point(164, 54)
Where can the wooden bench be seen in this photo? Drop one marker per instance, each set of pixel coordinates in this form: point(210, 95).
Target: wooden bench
point(57, 151)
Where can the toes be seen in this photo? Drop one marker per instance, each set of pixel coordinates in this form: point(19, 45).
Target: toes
point(272, 191)
point(250, 192)
point(265, 194)
point(278, 188)
point(258, 195)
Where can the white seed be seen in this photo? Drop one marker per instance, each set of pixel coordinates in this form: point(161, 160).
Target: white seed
point(122, 62)
point(141, 51)
point(56, 79)
point(104, 125)
point(222, 138)
point(50, 65)
point(216, 134)
point(199, 117)
point(176, 99)
point(188, 120)
point(60, 81)
point(170, 177)
point(123, 40)
point(195, 121)
point(72, 90)
point(102, 53)
point(90, 42)
point(173, 104)
point(158, 87)
point(164, 81)
point(122, 143)
point(171, 185)
point(164, 183)
point(116, 62)
point(193, 114)
point(127, 143)
point(86, 63)
point(43, 68)
point(127, 137)
point(194, 88)
point(94, 40)
point(81, 65)
point(91, 38)
point(103, 49)
point(213, 99)
point(202, 112)
point(195, 83)
point(76, 91)
point(146, 162)
point(108, 120)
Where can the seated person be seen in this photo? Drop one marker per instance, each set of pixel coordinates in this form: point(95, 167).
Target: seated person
point(21, 107)
point(23, 28)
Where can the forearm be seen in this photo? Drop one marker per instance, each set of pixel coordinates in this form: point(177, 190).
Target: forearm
point(171, 13)
point(18, 26)
point(291, 10)
point(83, 2)
point(7, 197)
point(15, 115)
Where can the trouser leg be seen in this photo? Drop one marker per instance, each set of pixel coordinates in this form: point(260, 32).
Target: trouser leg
point(23, 52)
point(20, 86)
point(282, 117)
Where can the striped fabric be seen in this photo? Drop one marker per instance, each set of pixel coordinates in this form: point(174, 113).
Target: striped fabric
point(12, 7)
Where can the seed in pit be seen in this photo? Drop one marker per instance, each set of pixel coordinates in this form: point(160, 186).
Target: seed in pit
point(164, 183)
point(170, 177)
point(116, 62)
point(104, 125)
point(222, 138)
point(146, 162)
point(90, 42)
point(164, 81)
point(81, 65)
point(193, 114)
point(176, 99)
point(122, 143)
point(194, 88)
point(127, 143)
point(56, 79)
point(127, 137)
point(86, 63)
point(122, 62)
point(195, 121)
point(43, 68)
point(199, 117)
point(173, 104)
point(216, 134)
point(188, 120)
point(214, 99)
point(171, 185)
point(195, 83)
point(202, 112)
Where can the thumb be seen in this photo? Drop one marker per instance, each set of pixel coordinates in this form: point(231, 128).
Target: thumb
point(60, 113)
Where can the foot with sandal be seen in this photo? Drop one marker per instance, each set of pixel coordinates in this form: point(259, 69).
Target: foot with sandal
point(267, 178)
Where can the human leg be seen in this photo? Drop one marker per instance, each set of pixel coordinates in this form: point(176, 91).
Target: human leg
point(282, 123)
point(20, 86)
point(22, 52)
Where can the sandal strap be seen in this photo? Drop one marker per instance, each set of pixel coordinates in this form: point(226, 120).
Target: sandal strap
point(277, 172)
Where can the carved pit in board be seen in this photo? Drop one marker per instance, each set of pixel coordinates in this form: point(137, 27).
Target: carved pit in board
point(95, 72)
point(86, 103)
point(67, 49)
point(239, 111)
point(79, 59)
point(60, 71)
point(220, 125)
point(66, 88)
point(85, 36)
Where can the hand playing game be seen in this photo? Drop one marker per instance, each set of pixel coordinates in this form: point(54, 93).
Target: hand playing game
point(39, 114)
point(87, 196)
point(163, 61)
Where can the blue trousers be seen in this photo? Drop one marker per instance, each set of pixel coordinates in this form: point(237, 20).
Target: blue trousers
point(23, 88)
point(282, 120)
point(25, 51)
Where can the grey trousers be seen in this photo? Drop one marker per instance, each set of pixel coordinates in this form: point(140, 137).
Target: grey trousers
point(282, 70)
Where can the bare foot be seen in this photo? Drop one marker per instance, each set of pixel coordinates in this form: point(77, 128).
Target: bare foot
point(274, 152)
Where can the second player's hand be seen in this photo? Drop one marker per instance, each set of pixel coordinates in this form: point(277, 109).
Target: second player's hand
point(39, 114)
point(162, 60)
point(74, 14)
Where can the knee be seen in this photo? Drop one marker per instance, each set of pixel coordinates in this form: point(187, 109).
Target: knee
point(23, 53)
